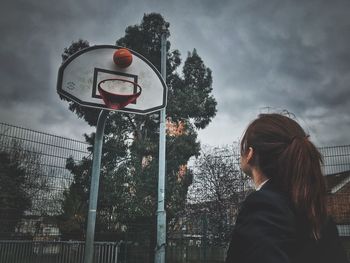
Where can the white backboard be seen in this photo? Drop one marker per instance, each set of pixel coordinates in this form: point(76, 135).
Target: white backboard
point(80, 74)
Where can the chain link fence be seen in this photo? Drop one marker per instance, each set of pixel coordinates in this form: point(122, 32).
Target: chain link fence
point(41, 158)
point(37, 162)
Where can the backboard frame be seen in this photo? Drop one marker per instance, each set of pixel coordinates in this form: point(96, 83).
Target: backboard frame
point(71, 97)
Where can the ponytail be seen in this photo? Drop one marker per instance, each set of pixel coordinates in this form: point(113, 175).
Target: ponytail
point(292, 162)
point(300, 165)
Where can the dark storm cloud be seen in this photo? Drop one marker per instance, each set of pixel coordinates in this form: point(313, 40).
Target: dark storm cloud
point(290, 55)
point(282, 54)
point(34, 34)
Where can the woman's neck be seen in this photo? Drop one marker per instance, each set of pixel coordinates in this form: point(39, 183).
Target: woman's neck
point(258, 177)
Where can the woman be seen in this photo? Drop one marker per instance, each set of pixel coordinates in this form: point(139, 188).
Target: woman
point(285, 220)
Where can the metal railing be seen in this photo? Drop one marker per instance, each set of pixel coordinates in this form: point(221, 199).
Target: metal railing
point(55, 252)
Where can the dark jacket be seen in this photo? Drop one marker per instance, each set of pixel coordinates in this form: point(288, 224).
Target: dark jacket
point(267, 230)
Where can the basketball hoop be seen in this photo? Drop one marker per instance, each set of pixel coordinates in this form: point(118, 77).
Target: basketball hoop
point(118, 101)
point(103, 78)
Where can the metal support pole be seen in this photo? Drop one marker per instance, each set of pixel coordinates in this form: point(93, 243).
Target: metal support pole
point(161, 214)
point(95, 179)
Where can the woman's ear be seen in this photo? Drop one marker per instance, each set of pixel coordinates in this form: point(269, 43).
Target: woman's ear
point(250, 154)
point(246, 161)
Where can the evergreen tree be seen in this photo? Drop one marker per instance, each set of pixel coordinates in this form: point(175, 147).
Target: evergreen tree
point(73, 48)
point(23, 183)
point(14, 198)
point(128, 186)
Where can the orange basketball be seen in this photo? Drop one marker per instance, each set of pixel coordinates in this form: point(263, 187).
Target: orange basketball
point(122, 57)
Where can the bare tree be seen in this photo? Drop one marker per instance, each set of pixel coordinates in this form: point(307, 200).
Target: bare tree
point(218, 188)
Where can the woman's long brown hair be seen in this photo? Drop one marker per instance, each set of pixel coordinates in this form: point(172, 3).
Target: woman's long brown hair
point(284, 153)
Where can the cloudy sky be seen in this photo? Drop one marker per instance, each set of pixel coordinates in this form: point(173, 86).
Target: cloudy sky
point(278, 54)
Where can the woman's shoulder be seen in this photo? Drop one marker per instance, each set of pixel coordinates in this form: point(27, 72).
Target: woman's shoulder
point(269, 196)
point(270, 204)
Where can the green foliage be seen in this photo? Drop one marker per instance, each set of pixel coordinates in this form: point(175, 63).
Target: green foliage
point(73, 48)
point(14, 199)
point(128, 184)
point(193, 98)
point(72, 221)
